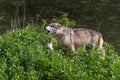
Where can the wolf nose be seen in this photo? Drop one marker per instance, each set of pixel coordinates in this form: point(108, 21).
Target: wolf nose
point(48, 31)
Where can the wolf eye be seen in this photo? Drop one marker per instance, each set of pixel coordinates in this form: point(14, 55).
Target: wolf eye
point(51, 26)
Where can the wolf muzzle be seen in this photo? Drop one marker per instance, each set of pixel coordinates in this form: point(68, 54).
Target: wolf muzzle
point(47, 31)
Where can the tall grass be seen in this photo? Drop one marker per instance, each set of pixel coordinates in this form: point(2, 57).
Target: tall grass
point(24, 56)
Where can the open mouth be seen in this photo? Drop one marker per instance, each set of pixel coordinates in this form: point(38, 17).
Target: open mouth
point(48, 32)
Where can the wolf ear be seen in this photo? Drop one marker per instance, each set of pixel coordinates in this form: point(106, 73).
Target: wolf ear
point(59, 25)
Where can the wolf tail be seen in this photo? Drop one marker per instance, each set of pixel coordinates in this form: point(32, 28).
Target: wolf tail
point(100, 45)
point(100, 42)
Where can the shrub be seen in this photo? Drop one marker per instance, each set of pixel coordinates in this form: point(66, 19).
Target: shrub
point(65, 21)
point(24, 56)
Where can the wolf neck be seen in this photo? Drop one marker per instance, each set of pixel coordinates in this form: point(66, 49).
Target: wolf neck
point(64, 36)
point(58, 36)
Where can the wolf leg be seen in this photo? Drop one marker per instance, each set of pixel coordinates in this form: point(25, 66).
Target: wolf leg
point(72, 48)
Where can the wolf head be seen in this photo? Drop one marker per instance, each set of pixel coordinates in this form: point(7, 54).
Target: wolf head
point(53, 28)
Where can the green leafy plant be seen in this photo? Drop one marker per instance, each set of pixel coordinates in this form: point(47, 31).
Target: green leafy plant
point(65, 21)
point(24, 56)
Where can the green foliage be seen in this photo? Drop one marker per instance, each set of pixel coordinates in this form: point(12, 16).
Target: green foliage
point(24, 56)
point(64, 20)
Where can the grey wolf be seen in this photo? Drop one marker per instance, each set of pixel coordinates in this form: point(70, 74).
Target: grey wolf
point(75, 37)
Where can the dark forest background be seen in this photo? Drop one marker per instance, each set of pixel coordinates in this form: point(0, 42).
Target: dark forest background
point(92, 12)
